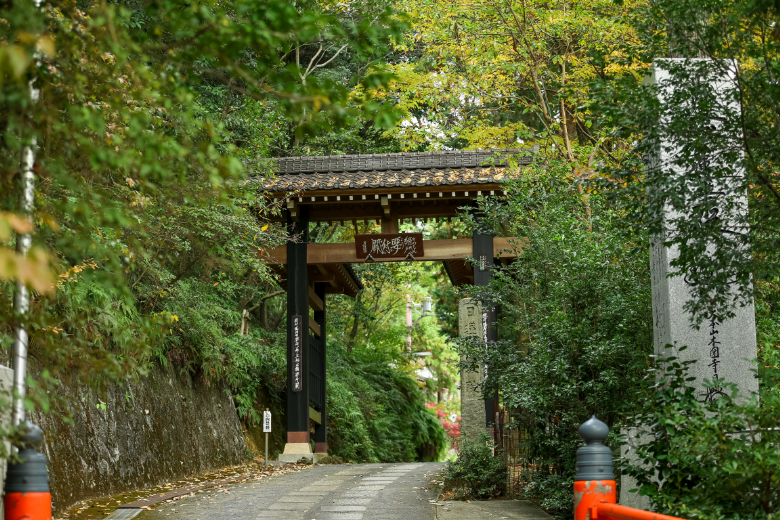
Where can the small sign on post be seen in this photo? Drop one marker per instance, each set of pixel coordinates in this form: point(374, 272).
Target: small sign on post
point(266, 430)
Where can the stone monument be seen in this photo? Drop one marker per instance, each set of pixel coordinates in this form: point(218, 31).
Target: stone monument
point(472, 402)
point(722, 349)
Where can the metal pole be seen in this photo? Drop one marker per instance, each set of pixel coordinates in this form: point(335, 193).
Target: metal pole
point(27, 493)
point(22, 296)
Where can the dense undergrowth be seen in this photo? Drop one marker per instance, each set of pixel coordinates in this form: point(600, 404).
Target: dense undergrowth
point(377, 413)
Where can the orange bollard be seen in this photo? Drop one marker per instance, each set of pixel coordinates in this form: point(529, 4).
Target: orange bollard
point(27, 494)
point(27, 506)
point(594, 481)
point(589, 494)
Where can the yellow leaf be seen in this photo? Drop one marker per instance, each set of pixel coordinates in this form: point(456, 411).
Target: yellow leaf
point(17, 59)
point(49, 221)
point(264, 227)
point(12, 221)
point(33, 271)
point(46, 46)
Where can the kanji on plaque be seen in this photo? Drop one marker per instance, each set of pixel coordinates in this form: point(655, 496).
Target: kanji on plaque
point(389, 245)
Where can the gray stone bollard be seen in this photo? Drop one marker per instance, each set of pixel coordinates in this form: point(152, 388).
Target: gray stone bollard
point(594, 460)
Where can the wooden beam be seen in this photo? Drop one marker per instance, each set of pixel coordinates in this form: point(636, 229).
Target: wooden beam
point(417, 211)
point(344, 253)
point(385, 190)
point(315, 327)
point(292, 207)
point(352, 212)
point(434, 250)
point(390, 217)
point(326, 278)
point(314, 301)
point(505, 247)
point(315, 416)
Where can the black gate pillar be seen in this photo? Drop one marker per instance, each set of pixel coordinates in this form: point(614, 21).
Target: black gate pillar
point(297, 336)
point(321, 430)
point(483, 254)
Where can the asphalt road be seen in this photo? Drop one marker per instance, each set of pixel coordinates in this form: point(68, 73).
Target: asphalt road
point(339, 492)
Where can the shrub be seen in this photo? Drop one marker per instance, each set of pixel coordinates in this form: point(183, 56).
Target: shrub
point(477, 472)
point(709, 461)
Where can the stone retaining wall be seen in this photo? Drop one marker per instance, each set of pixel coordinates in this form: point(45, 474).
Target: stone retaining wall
point(163, 427)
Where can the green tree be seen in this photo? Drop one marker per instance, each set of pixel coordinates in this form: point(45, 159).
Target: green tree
point(713, 135)
point(145, 228)
point(574, 317)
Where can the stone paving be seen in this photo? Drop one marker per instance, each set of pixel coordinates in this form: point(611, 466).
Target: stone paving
point(345, 492)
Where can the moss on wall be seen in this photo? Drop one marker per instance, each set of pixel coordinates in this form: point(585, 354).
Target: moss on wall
point(163, 427)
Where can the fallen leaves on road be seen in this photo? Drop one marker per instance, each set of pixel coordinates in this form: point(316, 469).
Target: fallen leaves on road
point(215, 481)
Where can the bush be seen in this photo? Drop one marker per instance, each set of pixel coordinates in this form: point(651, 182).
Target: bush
point(709, 461)
point(477, 472)
point(376, 413)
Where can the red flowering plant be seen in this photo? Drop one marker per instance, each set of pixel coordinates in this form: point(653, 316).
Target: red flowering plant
point(447, 414)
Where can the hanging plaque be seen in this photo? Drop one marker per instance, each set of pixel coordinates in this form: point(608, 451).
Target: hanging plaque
point(389, 245)
point(297, 353)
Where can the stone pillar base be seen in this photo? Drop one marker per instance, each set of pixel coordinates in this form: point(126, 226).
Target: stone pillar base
point(293, 451)
point(634, 437)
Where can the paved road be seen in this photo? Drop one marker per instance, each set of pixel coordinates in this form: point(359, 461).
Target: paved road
point(351, 492)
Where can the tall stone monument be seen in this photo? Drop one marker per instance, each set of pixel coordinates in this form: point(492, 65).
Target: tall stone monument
point(722, 349)
point(472, 402)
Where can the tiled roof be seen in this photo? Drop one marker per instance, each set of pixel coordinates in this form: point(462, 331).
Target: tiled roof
point(386, 179)
point(394, 170)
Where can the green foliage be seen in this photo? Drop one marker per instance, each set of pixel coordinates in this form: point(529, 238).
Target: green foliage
point(736, 127)
point(574, 322)
point(145, 226)
point(376, 412)
point(477, 473)
point(713, 460)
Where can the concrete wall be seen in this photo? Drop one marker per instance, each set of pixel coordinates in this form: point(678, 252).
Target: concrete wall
point(162, 427)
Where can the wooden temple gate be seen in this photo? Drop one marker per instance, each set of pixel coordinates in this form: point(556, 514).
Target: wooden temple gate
point(387, 189)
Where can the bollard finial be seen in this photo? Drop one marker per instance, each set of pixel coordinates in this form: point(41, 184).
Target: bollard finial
point(594, 461)
point(594, 431)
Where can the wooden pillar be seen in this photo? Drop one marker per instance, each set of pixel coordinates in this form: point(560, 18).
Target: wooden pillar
point(321, 430)
point(297, 331)
point(483, 254)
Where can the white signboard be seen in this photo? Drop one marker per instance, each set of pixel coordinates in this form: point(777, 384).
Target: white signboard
point(266, 422)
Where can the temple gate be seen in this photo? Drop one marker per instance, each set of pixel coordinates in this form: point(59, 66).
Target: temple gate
point(387, 189)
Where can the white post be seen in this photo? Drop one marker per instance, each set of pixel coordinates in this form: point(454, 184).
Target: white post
point(22, 296)
point(266, 430)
